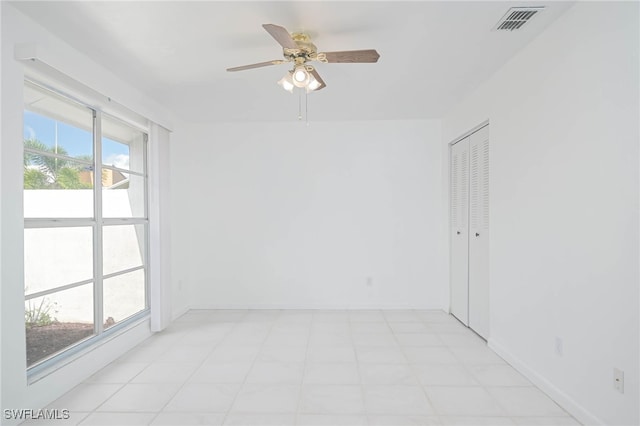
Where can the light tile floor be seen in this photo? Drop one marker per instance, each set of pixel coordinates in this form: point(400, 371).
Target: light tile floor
point(311, 368)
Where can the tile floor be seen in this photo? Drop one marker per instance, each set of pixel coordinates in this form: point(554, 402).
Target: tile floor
point(311, 368)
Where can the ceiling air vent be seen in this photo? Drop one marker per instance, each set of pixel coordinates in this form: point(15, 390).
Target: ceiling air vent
point(516, 17)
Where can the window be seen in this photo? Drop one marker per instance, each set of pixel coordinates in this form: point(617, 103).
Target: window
point(85, 249)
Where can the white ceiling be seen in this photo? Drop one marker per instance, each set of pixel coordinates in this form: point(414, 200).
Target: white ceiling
point(431, 53)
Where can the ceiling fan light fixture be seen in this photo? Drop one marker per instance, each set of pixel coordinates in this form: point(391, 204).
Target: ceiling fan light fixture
point(287, 83)
point(313, 84)
point(300, 76)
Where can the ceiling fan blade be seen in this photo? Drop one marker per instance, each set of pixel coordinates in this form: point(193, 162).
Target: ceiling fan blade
point(258, 65)
point(281, 35)
point(315, 74)
point(353, 56)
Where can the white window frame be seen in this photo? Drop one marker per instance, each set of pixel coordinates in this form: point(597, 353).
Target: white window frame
point(97, 222)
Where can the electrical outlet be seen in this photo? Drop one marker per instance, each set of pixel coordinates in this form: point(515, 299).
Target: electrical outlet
point(559, 350)
point(369, 282)
point(618, 380)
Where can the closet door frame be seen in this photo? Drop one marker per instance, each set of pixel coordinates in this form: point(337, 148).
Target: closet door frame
point(465, 317)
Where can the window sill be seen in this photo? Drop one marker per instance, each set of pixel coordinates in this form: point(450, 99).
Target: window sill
point(63, 359)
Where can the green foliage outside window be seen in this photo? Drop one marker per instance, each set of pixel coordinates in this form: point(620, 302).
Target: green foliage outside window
point(42, 171)
point(40, 314)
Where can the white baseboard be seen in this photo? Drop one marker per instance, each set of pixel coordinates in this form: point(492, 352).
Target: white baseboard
point(314, 307)
point(181, 312)
point(564, 400)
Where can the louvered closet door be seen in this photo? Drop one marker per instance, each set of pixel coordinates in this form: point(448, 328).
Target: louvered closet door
point(459, 210)
point(479, 232)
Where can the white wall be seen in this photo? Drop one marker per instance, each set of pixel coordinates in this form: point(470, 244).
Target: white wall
point(564, 208)
point(2, 135)
point(18, 29)
point(288, 216)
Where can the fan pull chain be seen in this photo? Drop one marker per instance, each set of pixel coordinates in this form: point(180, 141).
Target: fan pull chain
point(299, 105)
point(306, 107)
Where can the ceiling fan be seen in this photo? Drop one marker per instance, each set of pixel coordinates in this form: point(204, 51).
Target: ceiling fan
point(298, 49)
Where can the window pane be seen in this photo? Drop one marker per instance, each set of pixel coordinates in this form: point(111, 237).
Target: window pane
point(124, 295)
point(123, 247)
point(122, 145)
point(53, 124)
point(61, 188)
point(123, 194)
point(58, 320)
point(57, 256)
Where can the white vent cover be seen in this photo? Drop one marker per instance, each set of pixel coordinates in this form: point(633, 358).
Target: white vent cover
point(516, 17)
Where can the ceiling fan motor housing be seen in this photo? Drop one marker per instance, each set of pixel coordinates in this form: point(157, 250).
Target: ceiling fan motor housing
point(306, 50)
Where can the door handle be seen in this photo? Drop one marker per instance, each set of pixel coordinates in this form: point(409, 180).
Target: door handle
point(458, 232)
point(477, 235)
